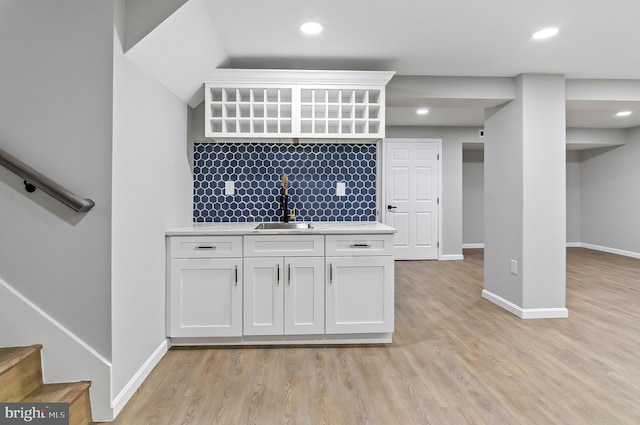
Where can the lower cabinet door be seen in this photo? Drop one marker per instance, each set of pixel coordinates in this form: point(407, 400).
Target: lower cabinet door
point(284, 296)
point(359, 294)
point(263, 296)
point(205, 297)
point(304, 296)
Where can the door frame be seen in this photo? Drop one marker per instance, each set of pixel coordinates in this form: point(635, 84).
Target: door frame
point(383, 179)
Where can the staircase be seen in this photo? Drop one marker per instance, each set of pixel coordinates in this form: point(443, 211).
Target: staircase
point(21, 381)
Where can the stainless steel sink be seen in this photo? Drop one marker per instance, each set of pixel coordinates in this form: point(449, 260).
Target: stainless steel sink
point(283, 226)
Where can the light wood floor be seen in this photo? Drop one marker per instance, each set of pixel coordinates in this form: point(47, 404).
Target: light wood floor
point(455, 359)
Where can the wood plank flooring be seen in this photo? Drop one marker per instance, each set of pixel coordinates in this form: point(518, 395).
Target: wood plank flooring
point(456, 359)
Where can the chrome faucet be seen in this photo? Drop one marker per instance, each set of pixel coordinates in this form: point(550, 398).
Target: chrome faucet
point(284, 200)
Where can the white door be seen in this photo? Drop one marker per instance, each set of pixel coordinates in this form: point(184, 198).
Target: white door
point(304, 295)
point(360, 297)
point(263, 296)
point(412, 196)
point(206, 297)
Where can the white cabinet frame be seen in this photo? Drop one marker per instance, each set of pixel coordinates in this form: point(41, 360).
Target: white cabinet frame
point(242, 103)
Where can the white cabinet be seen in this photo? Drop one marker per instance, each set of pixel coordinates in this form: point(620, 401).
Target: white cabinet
point(343, 112)
point(298, 104)
point(360, 289)
point(284, 295)
point(205, 287)
point(237, 110)
point(280, 289)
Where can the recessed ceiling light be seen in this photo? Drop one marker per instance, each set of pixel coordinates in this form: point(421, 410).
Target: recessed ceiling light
point(545, 33)
point(311, 28)
point(422, 111)
point(623, 114)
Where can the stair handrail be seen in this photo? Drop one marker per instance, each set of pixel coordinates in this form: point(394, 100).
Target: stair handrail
point(33, 179)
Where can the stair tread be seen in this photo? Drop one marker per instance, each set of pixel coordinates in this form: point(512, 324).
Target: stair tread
point(21, 381)
point(11, 356)
point(65, 392)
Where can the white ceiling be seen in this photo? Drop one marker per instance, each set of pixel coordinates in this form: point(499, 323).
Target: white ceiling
point(443, 38)
point(461, 38)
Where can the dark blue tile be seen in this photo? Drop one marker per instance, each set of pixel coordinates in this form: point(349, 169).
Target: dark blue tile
point(313, 171)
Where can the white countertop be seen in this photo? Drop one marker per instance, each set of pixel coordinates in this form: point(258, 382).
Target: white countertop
point(318, 228)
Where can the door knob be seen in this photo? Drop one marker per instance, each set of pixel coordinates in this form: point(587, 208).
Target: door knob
point(391, 207)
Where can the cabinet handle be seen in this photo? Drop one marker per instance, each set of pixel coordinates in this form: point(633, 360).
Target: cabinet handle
point(236, 283)
point(330, 273)
point(205, 247)
point(360, 245)
point(289, 274)
point(278, 274)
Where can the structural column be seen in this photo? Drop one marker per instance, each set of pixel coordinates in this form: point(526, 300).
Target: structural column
point(525, 199)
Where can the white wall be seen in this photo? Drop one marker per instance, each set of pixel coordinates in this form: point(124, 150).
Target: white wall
point(152, 191)
point(55, 115)
point(473, 197)
point(604, 227)
point(451, 160)
point(503, 200)
point(544, 189)
point(574, 234)
point(76, 110)
point(590, 138)
point(142, 16)
point(473, 202)
point(525, 199)
point(610, 195)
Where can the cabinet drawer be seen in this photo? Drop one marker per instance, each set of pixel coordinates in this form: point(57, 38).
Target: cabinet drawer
point(276, 245)
point(357, 245)
point(205, 246)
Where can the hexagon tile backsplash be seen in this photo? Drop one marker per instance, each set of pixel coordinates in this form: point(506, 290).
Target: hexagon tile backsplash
point(253, 172)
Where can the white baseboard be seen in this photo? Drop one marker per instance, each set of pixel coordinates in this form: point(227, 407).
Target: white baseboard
point(451, 257)
point(272, 340)
point(611, 250)
point(134, 383)
point(525, 313)
point(576, 245)
point(65, 357)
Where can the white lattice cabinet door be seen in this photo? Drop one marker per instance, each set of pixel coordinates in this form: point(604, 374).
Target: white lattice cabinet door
point(341, 112)
point(248, 111)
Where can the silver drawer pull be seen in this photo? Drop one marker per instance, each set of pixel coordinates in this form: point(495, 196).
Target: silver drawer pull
point(205, 247)
point(360, 245)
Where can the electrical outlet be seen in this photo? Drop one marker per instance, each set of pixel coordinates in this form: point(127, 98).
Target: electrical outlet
point(514, 267)
point(229, 188)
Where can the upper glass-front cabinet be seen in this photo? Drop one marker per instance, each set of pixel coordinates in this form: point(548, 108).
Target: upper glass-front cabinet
point(295, 104)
